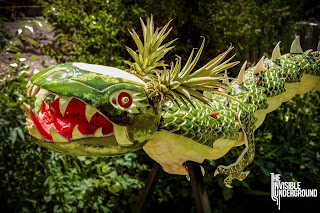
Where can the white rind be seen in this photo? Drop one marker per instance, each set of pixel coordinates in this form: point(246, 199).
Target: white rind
point(295, 46)
point(98, 132)
point(259, 67)
point(90, 111)
point(76, 134)
point(241, 73)
point(120, 132)
point(56, 137)
point(41, 96)
point(35, 90)
point(276, 52)
point(63, 103)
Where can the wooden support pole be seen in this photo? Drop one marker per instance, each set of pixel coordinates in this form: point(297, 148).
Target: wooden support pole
point(198, 187)
point(146, 190)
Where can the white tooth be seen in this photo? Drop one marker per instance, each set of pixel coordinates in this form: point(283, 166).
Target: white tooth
point(259, 68)
point(28, 110)
point(295, 46)
point(33, 130)
point(41, 96)
point(90, 111)
point(98, 132)
point(76, 134)
point(120, 132)
point(56, 137)
point(28, 84)
point(63, 103)
point(30, 89)
point(35, 90)
point(276, 52)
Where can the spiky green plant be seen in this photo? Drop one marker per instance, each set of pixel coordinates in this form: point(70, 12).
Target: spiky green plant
point(176, 83)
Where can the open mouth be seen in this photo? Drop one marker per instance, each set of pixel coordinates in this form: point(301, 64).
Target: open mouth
point(64, 118)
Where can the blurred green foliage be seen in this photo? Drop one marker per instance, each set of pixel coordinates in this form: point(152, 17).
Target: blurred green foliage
point(33, 179)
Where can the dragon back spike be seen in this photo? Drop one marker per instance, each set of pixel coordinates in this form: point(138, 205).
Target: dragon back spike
point(276, 52)
point(295, 46)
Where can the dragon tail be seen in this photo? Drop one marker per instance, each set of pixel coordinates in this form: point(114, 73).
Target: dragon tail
point(264, 88)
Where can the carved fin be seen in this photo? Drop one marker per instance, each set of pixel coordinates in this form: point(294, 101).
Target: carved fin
point(295, 46)
point(241, 73)
point(276, 52)
point(259, 68)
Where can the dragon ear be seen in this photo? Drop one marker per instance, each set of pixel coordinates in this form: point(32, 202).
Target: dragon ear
point(276, 52)
point(295, 46)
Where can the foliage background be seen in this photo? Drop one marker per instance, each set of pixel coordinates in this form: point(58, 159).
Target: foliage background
point(35, 179)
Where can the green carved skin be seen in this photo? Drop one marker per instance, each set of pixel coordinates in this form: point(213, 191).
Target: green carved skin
point(199, 124)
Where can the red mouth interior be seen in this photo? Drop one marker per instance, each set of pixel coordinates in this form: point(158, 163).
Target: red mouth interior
point(74, 115)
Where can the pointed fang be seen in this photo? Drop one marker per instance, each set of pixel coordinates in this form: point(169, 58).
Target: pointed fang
point(41, 96)
point(98, 132)
point(30, 89)
point(241, 73)
point(35, 90)
point(259, 68)
point(276, 52)
point(90, 111)
point(28, 84)
point(28, 110)
point(295, 46)
point(76, 134)
point(120, 132)
point(33, 130)
point(56, 137)
point(63, 103)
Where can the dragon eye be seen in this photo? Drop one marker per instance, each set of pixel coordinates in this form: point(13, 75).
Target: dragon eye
point(124, 99)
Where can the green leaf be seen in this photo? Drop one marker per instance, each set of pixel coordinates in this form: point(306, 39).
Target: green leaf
point(227, 193)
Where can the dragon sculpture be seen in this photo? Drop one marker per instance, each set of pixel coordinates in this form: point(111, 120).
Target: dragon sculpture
point(175, 113)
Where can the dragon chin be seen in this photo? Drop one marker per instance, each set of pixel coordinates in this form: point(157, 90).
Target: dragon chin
point(71, 126)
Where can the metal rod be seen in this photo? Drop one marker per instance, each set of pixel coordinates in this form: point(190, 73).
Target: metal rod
point(146, 190)
point(198, 187)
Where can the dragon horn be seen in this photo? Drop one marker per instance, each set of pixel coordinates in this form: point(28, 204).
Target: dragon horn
point(295, 46)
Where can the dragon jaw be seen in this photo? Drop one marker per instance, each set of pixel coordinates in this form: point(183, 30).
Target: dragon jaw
point(105, 127)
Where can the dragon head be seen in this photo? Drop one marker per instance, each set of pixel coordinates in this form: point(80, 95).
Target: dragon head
point(97, 110)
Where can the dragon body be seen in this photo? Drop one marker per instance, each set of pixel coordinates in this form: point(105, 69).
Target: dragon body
point(104, 111)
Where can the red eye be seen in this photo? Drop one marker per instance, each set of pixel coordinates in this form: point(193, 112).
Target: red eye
point(125, 99)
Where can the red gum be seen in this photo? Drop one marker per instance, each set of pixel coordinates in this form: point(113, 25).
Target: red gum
point(74, 115)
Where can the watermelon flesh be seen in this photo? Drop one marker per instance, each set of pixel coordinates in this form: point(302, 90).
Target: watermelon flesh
point(64, 124)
